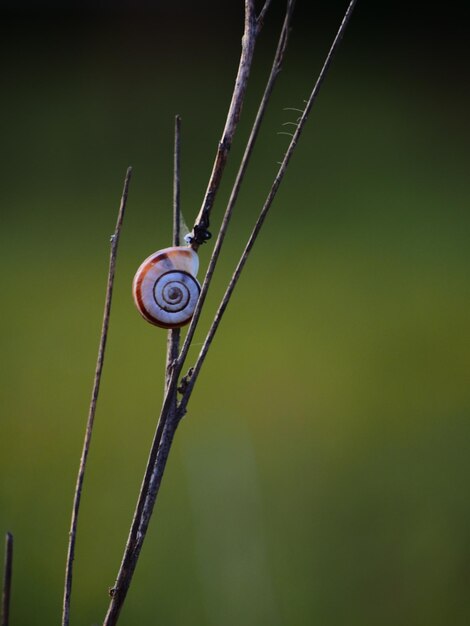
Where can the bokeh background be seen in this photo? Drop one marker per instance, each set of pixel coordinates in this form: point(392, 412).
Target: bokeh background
point(321, 474)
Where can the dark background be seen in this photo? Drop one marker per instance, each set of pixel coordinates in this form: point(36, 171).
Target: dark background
point(320, 476)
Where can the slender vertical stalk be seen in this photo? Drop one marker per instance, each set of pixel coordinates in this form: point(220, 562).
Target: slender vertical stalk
point(177, 183)
point(166, 426)
point(93, 402)
point(168, 422)
point(173, 340)
point(7, 576)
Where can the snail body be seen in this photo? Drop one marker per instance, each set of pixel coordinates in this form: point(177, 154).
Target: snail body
point(165, 288)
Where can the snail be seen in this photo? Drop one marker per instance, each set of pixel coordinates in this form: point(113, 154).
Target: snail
point(165, 288)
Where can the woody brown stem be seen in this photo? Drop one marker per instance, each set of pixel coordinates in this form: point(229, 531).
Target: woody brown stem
point(200, 232)
point(173, 340)
point(7, 577)
point(93, 402)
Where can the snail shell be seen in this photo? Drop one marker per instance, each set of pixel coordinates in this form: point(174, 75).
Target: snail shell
point(165, 289)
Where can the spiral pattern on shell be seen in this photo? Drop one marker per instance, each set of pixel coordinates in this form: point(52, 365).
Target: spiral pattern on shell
point(165, 288)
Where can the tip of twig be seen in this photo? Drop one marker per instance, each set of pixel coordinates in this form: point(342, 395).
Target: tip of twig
point(7, 578)
point(127, 180)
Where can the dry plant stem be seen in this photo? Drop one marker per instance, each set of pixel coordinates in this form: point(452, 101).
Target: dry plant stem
point(262, 216)
point(173, 336)
point(166, 427)
point(168, 421)
point(252, 27)
point(173, 340)
point(119, 591)
point(7, 576)
point(263, 12)
point(177, 182)
point(276, 68)
point(93, 402)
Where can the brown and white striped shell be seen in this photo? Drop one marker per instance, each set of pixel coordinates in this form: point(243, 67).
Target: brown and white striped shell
point(165, 288)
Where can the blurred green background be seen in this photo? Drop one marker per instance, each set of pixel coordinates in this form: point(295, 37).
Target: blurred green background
point(320, 476)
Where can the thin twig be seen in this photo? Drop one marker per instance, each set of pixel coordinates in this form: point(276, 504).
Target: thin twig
point(174, 334)
point(166, 427)
point(173, 341)
point(7, 576)
point(262, 216)
point(275, 70)
point(177, 183)
point(262, 13)
point(200, 232)
point(93, 402)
